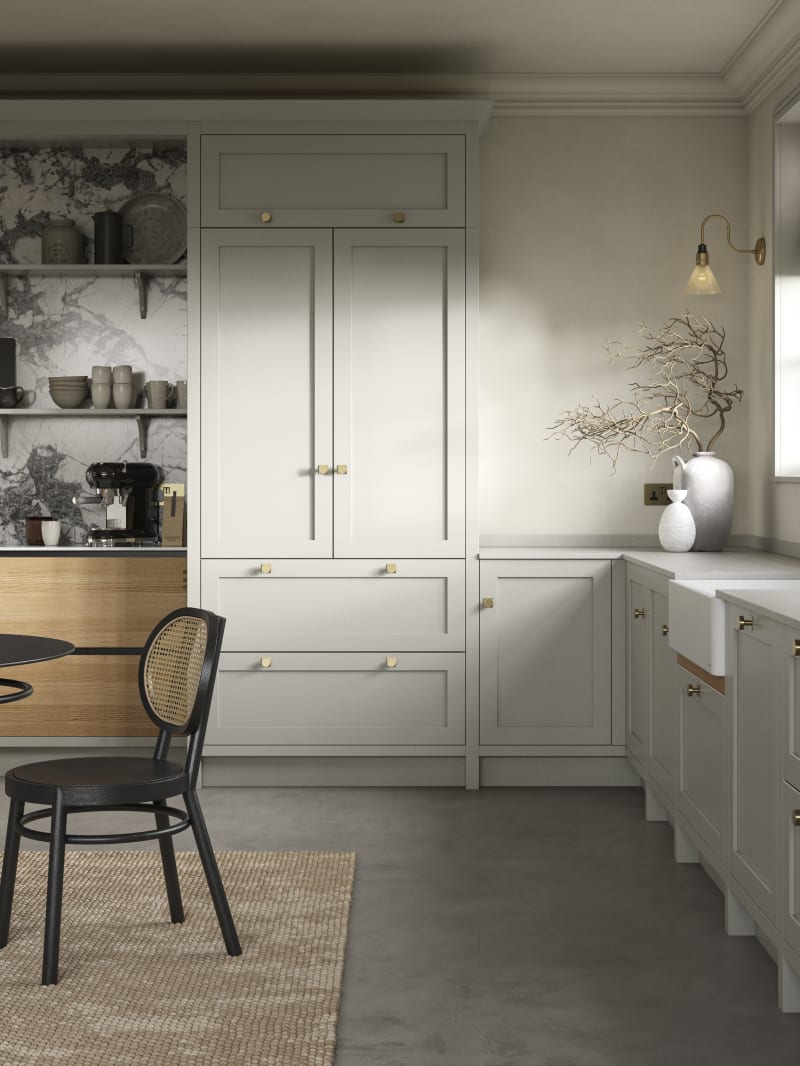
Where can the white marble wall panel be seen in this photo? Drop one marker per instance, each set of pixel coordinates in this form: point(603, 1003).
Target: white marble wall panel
point(67, 325)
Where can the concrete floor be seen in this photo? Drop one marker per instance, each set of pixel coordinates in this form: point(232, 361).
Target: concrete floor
point(522, 927)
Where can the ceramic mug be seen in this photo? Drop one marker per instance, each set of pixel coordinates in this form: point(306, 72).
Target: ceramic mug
point(102, 373)
point(158, 393)
point(33, 528)
point(122, 373)
point(181, 394)
point(101, 394)
point(122, 391)
point(10, 395)
point(51, 532)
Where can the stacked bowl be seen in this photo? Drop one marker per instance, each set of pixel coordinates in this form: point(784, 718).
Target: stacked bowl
point(69, 391)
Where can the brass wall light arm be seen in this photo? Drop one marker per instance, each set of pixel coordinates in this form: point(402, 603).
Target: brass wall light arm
point(759, 252)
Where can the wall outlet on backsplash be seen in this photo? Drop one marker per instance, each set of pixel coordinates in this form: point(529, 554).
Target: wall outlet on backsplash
point(655, 494)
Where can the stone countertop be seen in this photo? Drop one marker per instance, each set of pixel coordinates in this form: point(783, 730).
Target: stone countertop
point(782, 604)
point(81, 549)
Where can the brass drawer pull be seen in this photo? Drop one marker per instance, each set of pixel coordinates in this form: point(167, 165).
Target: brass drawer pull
point(693, 690)
point(266, 568)
point(796, 649)
point(399, 216)
point(391, 661)
point(665, 631)
point(266, 662)
point(796, 819)
point(488, 601)
point(266, 216)
point(323, 469)
point(745, 623)
point(638, 612)
point(391, 568)
point(341, 468)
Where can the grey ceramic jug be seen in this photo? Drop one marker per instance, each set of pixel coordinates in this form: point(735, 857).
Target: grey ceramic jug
point(709, 484)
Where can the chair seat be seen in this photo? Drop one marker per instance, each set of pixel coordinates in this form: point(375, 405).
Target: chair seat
point(97, 780)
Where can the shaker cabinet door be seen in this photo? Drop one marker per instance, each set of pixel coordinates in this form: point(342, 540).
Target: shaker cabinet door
point(399, 384)
point(266, 405)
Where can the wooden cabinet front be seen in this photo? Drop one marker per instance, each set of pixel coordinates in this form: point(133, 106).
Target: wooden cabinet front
point(95, 602)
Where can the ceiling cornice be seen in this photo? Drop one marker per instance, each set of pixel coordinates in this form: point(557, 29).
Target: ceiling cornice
point(769, 55)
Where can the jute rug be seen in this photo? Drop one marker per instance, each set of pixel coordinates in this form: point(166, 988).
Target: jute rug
point(136, 990)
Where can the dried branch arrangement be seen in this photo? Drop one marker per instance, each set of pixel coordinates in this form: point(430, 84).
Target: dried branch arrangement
point(688, 367)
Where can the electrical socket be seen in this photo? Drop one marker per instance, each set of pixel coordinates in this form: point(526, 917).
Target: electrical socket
point(655, 495)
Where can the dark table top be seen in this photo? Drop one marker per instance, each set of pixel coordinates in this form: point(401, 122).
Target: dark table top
point(16, 648)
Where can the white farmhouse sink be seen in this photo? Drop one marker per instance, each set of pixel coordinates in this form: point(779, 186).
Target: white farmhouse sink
point(697, 618)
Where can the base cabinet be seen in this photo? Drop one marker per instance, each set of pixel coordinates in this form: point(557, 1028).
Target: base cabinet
point(703, 748)
point(545, 652)
point(790, 841)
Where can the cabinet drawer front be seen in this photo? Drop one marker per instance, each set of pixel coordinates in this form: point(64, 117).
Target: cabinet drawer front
point(702, 779)
point(332, 180)
point(344, 605)
point(338, 699)
point(790, 841)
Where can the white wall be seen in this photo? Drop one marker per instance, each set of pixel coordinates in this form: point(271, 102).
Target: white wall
point(775, 506)
point(589, 227)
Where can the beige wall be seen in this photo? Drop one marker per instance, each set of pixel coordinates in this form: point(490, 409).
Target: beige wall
point(589, 226)
point(775, 506)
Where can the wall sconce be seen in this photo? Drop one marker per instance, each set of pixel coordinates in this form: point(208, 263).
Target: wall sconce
point(701, 280)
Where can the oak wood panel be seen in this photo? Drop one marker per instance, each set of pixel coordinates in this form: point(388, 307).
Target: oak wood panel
point(91, 602)
point(80, 695)
point(712, 680)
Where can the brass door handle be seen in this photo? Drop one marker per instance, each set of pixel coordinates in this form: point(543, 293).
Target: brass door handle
point(391, 661)
point(796, 819)
point(488, 601)
point(266, 216)
point(323, 468)
point(341, 468)
point(266, 568)
point(638, 612)
point(745, 623)
point(796, 649)
point(693, 690)
point(664, 631)
point(391, 568)
point(266, 662)
point(399, 216)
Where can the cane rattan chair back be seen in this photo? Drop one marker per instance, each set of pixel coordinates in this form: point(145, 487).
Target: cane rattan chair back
point(171, 673)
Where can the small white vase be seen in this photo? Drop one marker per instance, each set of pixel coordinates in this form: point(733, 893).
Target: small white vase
point(676, 530)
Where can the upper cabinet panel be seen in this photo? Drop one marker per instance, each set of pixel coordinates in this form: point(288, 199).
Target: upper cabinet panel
point(332, 180)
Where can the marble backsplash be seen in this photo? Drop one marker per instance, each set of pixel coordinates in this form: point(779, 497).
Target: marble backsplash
point(67, 325)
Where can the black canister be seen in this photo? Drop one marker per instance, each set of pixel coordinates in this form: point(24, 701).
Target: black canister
point(108, 237)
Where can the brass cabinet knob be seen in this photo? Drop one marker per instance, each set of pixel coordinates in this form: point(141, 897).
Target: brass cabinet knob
point(488, 601)
point(323, 468)
point(796, 649)
point(391, 661)
point(399, 216)
point(341, 468)
point(796, 819)
point(266, 662)
point(266, 216)
point(266, 568)
point(665, 631)
point(391, 568)
point(693, 690)
point(745, 623)
point(638, 612)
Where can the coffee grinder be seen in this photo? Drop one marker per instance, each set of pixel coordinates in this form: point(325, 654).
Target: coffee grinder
point(127, 492)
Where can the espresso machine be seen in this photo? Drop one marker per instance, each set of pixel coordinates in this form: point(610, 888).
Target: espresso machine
point(126, 492)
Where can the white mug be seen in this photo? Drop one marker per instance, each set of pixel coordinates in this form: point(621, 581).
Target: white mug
point(51, 532)
point(181, 393)
point(158, 393)
point(122, 373)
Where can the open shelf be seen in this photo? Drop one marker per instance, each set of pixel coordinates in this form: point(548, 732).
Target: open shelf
point(142, 416)
point(138, 271)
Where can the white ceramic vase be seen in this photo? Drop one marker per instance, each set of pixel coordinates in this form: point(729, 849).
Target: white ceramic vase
point(676, 530)
point(708, 481)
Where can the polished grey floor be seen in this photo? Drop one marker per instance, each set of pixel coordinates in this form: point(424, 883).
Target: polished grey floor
point(514, 927)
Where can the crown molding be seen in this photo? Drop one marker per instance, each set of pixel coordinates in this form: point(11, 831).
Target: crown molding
point(769, 56)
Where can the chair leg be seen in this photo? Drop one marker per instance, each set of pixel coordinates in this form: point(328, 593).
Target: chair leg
point(211, 869)
point(10, 856)
point(170, 866)
point(55, 885)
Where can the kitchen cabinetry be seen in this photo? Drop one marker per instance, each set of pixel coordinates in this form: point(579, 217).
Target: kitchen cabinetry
point(334, 436)
point(703, 750)
point(538, 619)
point(107, 606)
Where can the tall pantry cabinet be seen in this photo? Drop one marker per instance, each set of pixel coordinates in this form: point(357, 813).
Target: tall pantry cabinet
point(338, 526)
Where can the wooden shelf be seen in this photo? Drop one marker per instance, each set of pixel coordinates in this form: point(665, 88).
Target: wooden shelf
point(138, 271)
point(142, 416)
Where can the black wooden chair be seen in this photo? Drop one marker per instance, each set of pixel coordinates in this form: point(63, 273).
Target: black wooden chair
point(176, 680)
